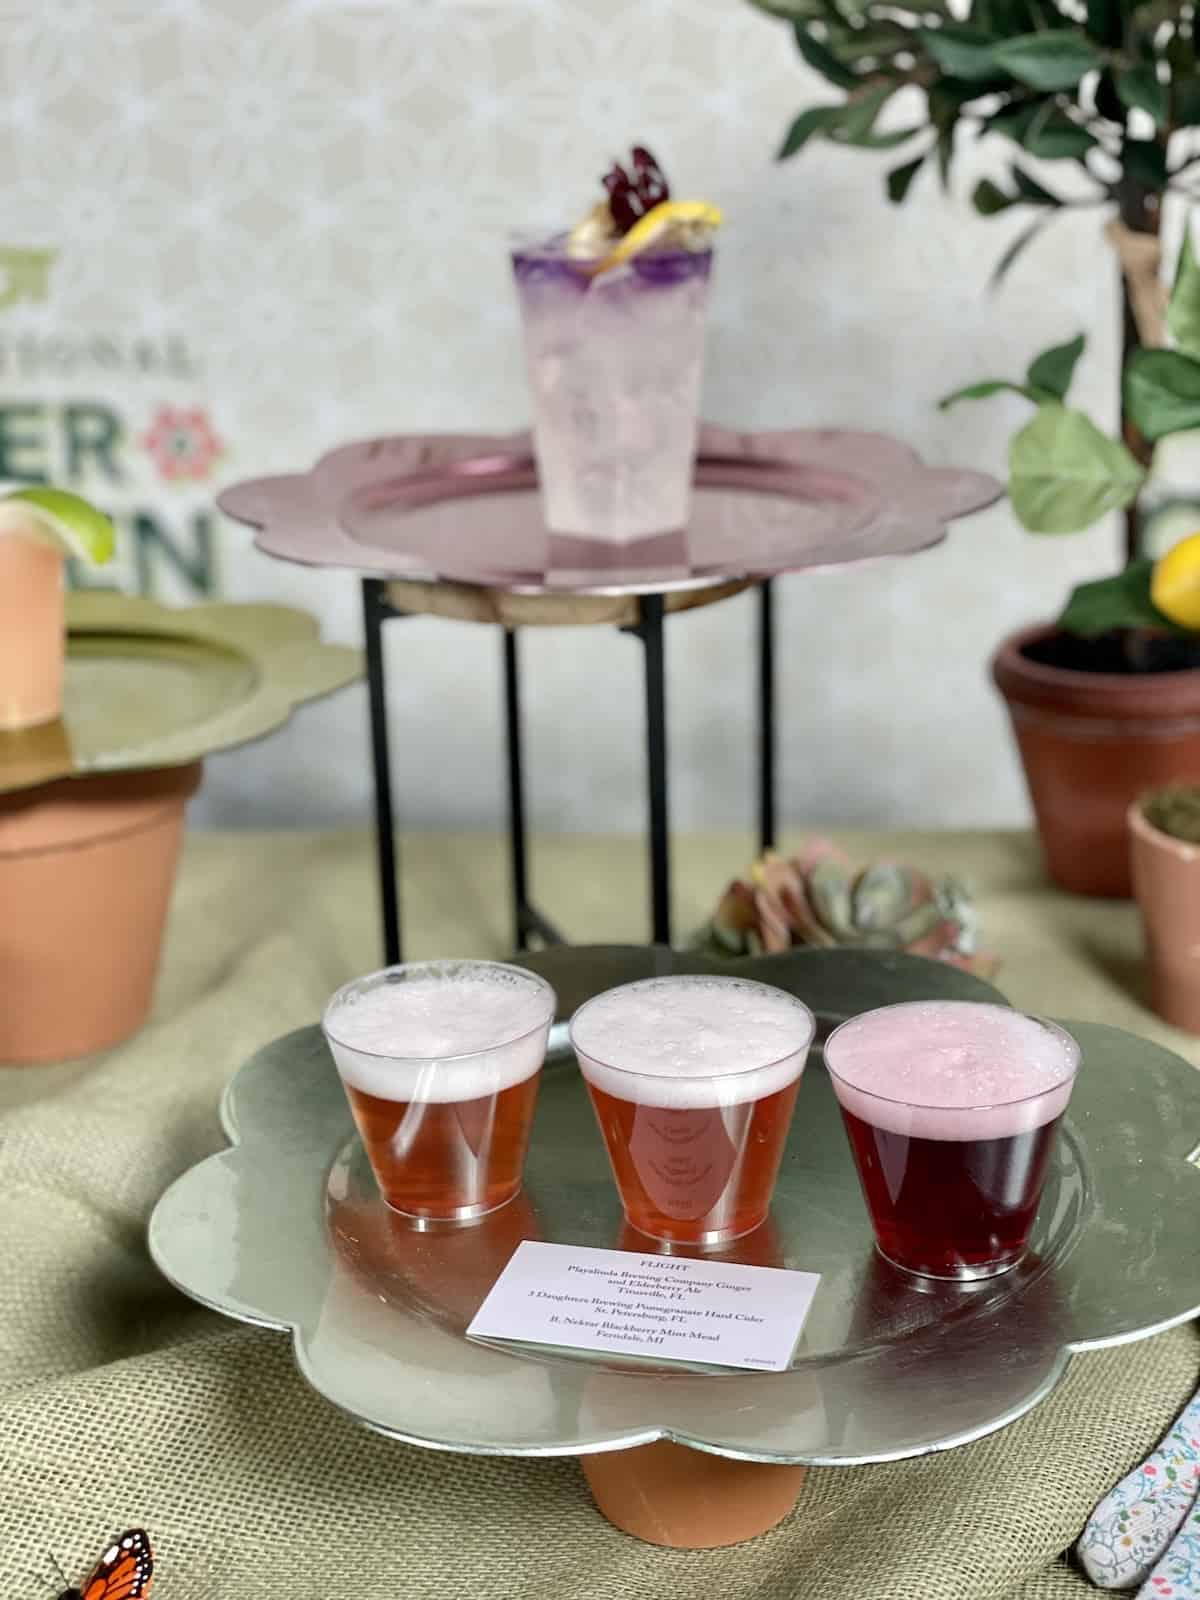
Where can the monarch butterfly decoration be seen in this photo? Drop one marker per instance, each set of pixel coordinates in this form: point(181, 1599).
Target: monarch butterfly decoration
point(123, 1572)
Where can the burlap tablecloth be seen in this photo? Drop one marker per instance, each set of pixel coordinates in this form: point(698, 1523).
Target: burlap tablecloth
point(121, 1402)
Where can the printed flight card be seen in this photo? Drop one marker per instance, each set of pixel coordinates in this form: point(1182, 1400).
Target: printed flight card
point(673, 1308)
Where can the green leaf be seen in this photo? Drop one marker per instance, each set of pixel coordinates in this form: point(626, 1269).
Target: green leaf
point(988, 199)
point(1064, 474)
point(899, 179)
point(850, 123)
point(947, 99)
point(945, 154)
point(984, 390)
point(1145, 161)
point(878, 141)
point(862, 109)
point(1054, 368)
point(962, 51)
point(1143, 41)
point(1026, 237)
point(1031, 190)
point(1055, 59)
point(790, 10)
point(1185, 99)
point(1122, 601)
point(856, 124)
point(1057, 138)
point(1183, 313)
point(1108, 101)
point(1105, 23)
point(1012, 120)
point(1161, 389)
point(855, 44)
point(1003, 18)
point(822, 59)
point(1140, 90)
point(1041, 128)
point(817, 119)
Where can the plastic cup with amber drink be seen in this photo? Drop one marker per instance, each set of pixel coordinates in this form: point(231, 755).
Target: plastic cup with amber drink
point(694, 1081)
point(440, 1062)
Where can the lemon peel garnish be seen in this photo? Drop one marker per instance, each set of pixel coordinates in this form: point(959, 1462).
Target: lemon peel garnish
point(649, 229)
point(66, 522)
point(592, 235)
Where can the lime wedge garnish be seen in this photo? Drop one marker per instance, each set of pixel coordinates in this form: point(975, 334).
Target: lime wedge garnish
point(61, 519)
point(649, 229)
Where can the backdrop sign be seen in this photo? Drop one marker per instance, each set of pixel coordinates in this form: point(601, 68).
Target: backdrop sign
point(117, 417)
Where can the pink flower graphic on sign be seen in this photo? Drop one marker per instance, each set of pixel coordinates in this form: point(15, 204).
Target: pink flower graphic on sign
point(182, 442)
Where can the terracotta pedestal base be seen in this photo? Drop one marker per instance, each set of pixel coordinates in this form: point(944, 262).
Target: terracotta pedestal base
point(667, 1494)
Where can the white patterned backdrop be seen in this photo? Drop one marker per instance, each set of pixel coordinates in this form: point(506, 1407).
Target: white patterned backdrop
point(278, 226)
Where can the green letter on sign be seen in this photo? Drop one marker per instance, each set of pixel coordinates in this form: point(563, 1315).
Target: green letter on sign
point(23, 443)
point(94, 431)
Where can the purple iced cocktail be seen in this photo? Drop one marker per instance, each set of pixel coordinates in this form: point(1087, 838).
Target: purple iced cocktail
point(614, 316)
point(951, 1108)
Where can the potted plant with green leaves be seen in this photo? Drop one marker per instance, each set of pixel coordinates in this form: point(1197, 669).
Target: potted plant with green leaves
point(1106, 701)
point(1164, 834)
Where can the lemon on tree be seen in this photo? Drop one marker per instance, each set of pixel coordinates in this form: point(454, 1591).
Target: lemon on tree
point(57, 518)
point(1175, 583)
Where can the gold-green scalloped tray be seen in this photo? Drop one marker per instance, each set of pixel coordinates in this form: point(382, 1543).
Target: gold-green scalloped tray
point(149, 685)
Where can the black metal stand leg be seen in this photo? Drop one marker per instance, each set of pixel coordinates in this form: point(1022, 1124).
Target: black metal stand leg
point(375, 609)
point(766, 716)
point(651, 633)
point(516, 793)
point(527, 919)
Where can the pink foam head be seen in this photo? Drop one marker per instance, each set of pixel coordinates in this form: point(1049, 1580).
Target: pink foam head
point(692, 1041)
point(440, 1030)
point(952, 1069)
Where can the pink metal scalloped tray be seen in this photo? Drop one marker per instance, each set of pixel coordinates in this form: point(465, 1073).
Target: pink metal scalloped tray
point(465, 508)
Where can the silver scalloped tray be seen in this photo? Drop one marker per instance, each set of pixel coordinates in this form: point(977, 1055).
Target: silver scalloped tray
point(285, 1229)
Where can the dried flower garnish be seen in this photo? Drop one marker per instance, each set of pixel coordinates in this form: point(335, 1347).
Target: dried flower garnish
point(634, 192)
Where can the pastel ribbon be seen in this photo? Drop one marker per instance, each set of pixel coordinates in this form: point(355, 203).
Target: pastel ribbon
point(1177, 1575)
point(1135, 1523)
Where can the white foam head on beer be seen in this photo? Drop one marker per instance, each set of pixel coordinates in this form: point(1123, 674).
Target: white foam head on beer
point(692, 1042)
point(441, 1038)
point(952, 1069)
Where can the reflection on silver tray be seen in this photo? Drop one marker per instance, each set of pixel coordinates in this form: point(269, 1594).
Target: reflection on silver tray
point(465, 508)
point(286, 1229)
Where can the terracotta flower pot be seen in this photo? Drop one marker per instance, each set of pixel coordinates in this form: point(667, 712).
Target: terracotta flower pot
point(86, 870)
point(1166, 881)
point(32, 632)
point(668, 1494)
point(1091, 742)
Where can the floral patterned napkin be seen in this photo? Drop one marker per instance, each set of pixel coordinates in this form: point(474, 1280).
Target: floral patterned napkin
point(1147, 1530)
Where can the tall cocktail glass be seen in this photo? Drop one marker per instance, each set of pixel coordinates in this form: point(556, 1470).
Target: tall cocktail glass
point(614, 361)
point(951, 1107)
point(693, 1081)
point(440, 1063)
